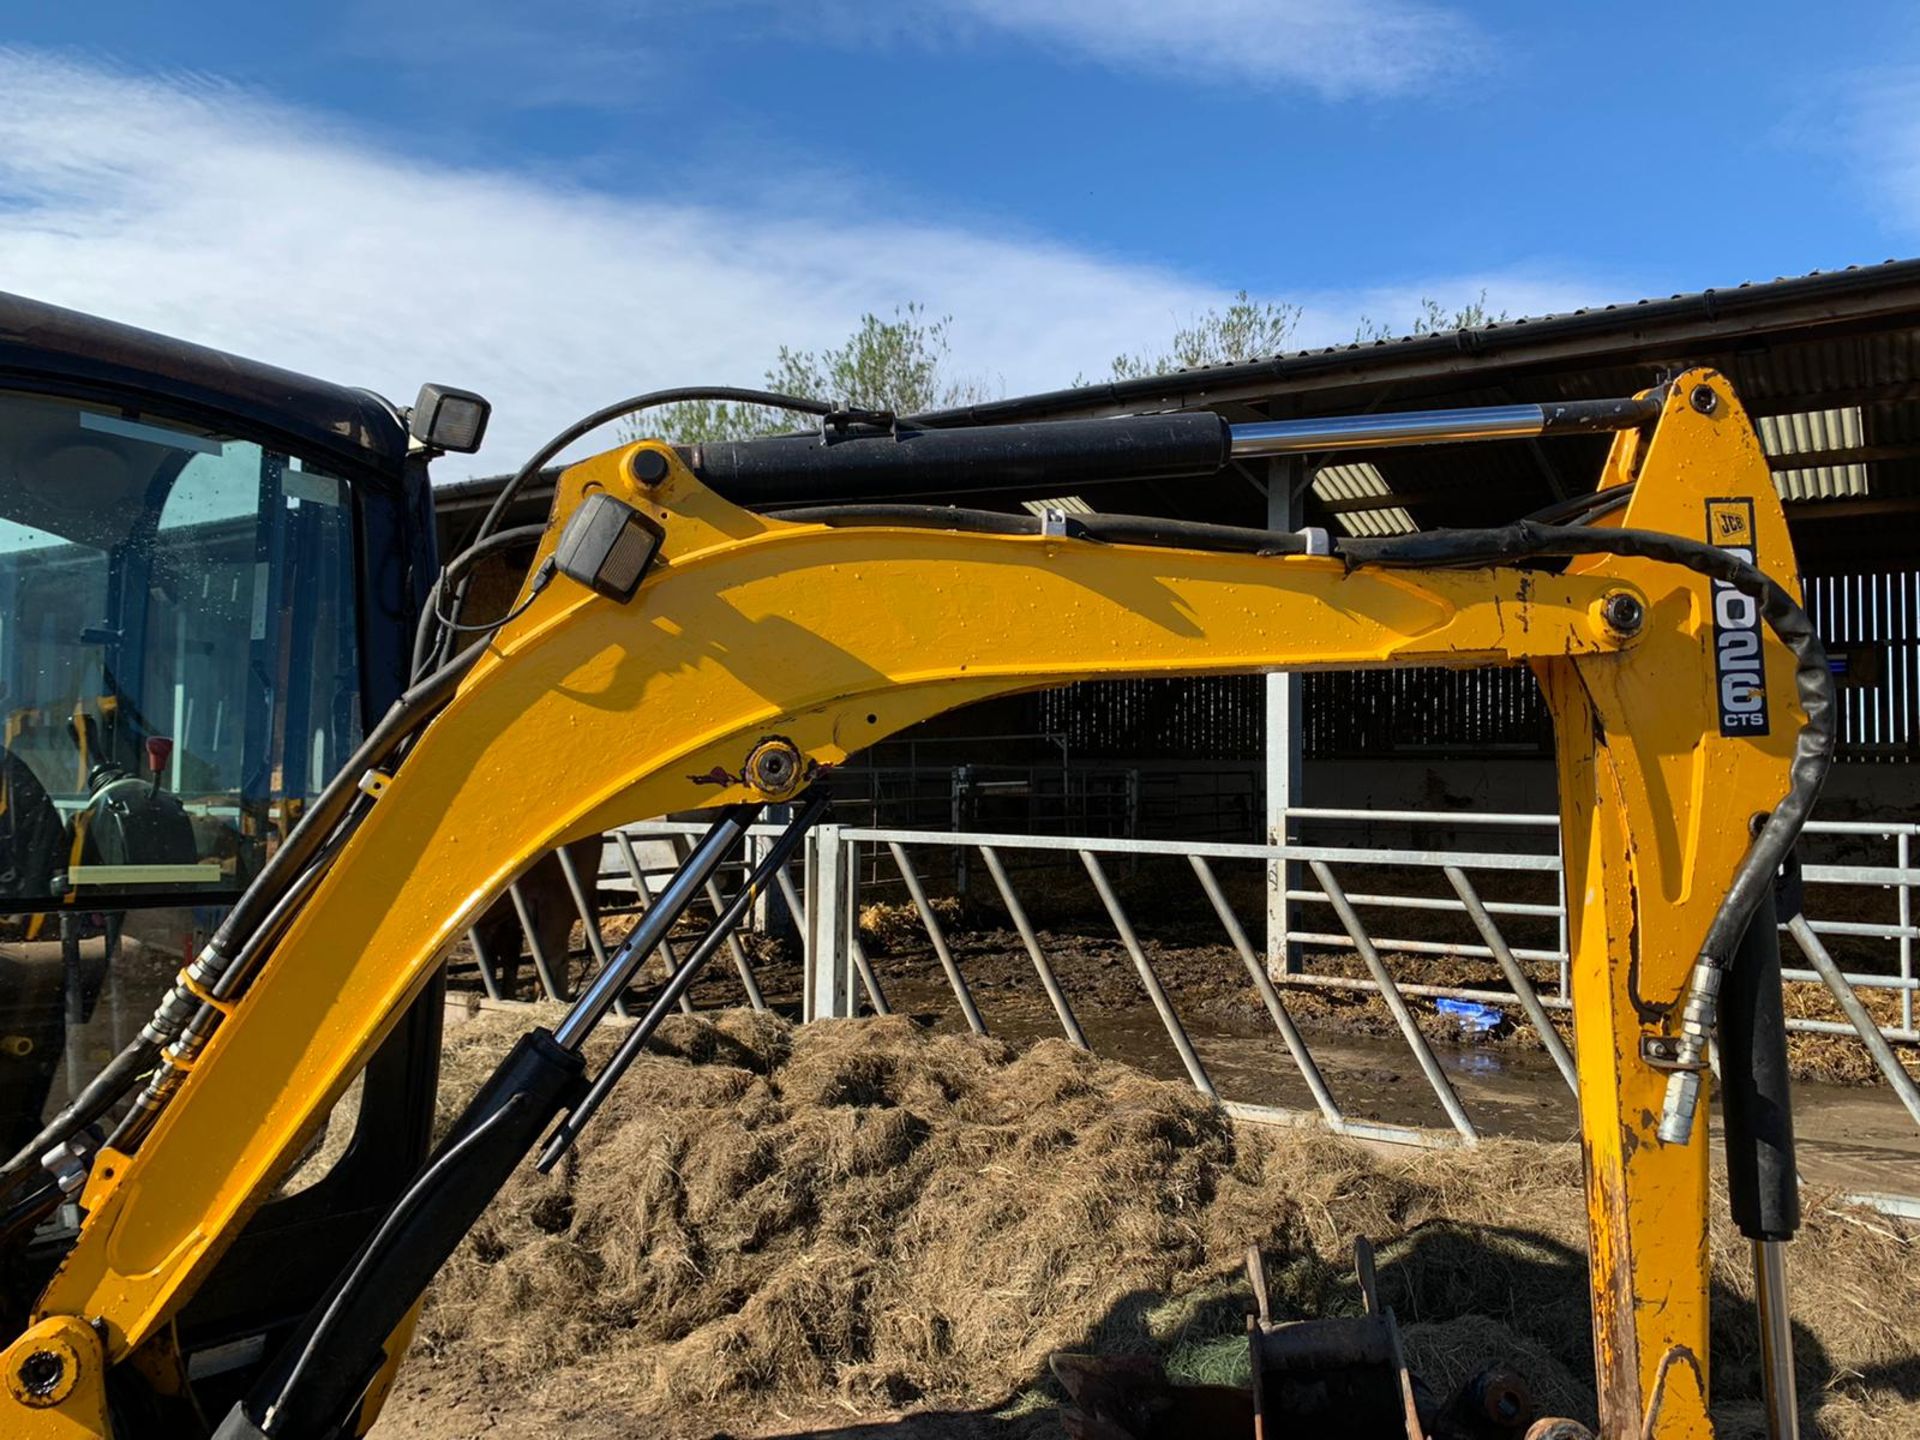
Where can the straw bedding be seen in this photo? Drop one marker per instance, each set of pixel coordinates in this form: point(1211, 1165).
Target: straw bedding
point(773, 1229)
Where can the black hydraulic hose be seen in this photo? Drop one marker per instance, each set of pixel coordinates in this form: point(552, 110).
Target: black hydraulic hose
point(1584, 509)
point(586, 424)
point(256, 904)
point(426, 632)
point(771, 399)
point(1813, 747)
point(924, 517)
point(1150, 530)
point(1196, 535)
point(99, 1095)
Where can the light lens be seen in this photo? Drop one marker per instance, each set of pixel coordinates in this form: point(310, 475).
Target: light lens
point(449, 419)
point(607, 546)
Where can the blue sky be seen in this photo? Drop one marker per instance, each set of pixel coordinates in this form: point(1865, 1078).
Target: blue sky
point(561, 203)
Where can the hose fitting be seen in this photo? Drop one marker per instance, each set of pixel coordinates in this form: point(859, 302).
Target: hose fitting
point(1697, 1022)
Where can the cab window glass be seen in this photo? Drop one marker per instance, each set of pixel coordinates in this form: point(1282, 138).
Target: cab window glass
point(179, 675)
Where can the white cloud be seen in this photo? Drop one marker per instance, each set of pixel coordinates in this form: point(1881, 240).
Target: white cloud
point(187, 206)
point(1879, 129)
point(1339, 48)
point(583, 52)
point(191, 207)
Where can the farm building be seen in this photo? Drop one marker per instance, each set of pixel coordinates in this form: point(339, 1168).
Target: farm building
point(1829, 364)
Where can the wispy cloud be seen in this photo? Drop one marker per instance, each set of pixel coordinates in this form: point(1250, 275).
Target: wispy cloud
point(575, 51)
point(1879, 128)
point(1339, 48)
point(190, 206)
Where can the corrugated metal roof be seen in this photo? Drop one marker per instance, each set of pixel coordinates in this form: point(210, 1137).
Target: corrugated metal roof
point(1845, 341)
point(1070, 504)
point(1857, 296)
point(1362, 481)
point(1804, 432)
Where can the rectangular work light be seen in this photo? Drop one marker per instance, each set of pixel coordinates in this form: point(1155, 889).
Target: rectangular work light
point(607, 546)
point(448, 419)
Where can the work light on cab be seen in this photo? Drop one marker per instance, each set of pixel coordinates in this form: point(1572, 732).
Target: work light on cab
point(447, 419)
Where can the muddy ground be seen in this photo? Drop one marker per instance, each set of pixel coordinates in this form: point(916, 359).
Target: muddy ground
point(877, 1228)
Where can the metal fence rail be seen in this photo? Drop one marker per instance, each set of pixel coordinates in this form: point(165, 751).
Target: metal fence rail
point(900, 843)
point(1323, 862)
point(839, 979)
point(1898, 877)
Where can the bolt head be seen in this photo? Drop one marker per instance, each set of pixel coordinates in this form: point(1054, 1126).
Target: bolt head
point(1704, 399)
point(1623, 613)
point(41, 1372)
point(775, 768)
point(649, 467)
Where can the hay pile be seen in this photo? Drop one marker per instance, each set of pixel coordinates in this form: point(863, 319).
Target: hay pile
point(770, 1225)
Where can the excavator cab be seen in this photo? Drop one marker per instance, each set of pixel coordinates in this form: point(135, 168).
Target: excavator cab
point(210, 572)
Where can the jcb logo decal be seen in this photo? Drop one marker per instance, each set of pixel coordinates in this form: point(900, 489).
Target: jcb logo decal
point(1738, 671)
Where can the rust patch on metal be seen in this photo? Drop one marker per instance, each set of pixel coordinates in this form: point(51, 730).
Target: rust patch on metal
point(1676, 1355)
point(1616, 1343)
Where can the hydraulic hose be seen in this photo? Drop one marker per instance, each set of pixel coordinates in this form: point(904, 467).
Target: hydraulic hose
point(1111, 529)
point(255, 907)
point(1813, 745)
point(585, 425)
point(427, 632)
point(1504, 545)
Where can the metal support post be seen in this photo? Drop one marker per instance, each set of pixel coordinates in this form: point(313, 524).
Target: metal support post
point(771, 916)
point(552, 982)
point(1857, 1014)
point(1903, 857)
point(829, 907)
point(1287, 481)
point(1516, 977)
point(928, 919)
point(1176, 1032)
point(1017, 913)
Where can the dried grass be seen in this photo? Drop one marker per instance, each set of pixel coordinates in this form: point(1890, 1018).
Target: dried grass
point(861, 1216)
point(886, 927)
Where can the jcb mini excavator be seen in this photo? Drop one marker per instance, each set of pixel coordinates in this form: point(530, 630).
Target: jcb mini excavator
point(186, 550)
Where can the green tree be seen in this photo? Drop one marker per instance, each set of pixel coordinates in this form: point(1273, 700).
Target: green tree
point(1244, 330)
point(1433, 319)
point(898, 365)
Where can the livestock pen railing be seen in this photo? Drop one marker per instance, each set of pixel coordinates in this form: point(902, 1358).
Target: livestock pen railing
point(1473, 887)
point(1892, 877)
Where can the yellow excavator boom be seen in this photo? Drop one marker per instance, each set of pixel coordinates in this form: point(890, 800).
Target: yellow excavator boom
point(759, 652)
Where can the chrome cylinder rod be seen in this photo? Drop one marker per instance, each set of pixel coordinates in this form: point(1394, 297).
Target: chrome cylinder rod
point(1438, 427)
point(723, 925)
point(1776, 1339)
point(680, 892)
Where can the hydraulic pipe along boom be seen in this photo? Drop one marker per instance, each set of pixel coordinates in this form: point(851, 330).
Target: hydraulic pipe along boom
point(869, 462)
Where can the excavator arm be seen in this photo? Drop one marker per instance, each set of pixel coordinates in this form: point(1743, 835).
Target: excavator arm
point(758, 652)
